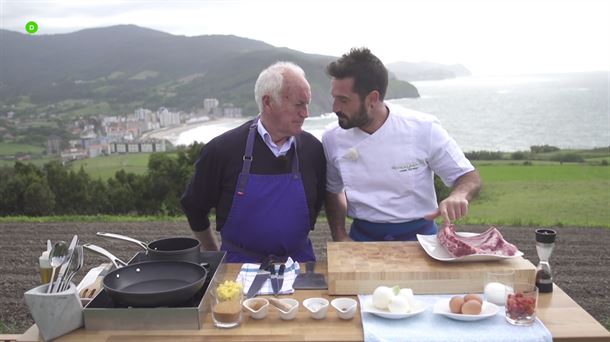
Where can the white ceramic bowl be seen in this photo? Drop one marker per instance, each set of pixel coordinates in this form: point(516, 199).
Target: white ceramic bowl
point(252, 304)
point(346, 307)
point(294, 309)
point(317, 307)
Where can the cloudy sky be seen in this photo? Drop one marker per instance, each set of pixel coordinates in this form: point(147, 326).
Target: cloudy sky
point(487, 36)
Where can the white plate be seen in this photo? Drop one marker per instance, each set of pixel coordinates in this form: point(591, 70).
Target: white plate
point(418, 307)
point(487, 310)
point(436, 251)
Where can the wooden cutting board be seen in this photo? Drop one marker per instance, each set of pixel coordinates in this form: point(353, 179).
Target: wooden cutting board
point(359, 267)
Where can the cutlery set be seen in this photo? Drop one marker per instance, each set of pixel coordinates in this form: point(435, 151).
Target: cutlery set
point(68, 259)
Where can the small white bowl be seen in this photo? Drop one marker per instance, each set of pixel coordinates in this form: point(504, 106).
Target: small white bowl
point(292, 312)
point(346, 307)
point(317, 307)
point(252, 303)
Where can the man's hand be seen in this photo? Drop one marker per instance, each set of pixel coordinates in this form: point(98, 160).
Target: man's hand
point(455, 206)
point(451, 209)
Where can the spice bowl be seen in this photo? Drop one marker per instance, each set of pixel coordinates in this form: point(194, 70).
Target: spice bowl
point(257, 307)
point(346, 307)
point(287, 307)
point(317, 307)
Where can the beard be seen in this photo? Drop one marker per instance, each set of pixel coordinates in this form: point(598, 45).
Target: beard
point(359, 120)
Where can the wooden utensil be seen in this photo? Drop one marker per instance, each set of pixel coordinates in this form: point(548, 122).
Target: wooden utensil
point(91, 290)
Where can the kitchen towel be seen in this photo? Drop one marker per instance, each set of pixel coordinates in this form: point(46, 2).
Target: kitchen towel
point(428, 326)
point(248, 273)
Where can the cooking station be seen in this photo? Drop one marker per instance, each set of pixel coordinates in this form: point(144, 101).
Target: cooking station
point(561, 315)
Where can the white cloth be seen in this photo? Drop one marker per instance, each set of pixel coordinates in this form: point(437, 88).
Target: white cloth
point(431, 327)
point(248, 273)
point(388, 176)
point(277, 151)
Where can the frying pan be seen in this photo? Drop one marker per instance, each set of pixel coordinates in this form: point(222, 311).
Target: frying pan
point(151, 283)
point(175, 248)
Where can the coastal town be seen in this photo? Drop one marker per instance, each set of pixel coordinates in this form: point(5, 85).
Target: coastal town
point(142, 131)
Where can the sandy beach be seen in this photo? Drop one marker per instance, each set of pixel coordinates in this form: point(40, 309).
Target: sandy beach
point(174, 134)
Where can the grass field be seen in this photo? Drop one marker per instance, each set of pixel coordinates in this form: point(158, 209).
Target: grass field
point(543, 195)
point(7, 149)
point(105, 167)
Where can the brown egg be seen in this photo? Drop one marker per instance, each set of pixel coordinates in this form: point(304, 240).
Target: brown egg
point(455, 304)
point(472, 296)
point(471, 307)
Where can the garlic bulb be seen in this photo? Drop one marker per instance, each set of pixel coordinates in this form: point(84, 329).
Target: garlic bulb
point(399, 304)
point(407, 294)
point(382, 296)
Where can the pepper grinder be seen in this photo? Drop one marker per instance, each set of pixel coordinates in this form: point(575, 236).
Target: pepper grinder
point(545, 242)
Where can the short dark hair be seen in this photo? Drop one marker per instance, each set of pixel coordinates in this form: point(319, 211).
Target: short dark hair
point(367, 70)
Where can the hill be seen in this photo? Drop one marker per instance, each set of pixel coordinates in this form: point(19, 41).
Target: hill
point(114, 70)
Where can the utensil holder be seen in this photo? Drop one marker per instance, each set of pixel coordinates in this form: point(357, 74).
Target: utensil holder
point(56, 314)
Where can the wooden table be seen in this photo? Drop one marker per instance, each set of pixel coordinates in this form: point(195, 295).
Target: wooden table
point(564, 318)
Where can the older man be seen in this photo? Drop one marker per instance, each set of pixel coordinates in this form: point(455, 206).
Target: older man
point(266, 178)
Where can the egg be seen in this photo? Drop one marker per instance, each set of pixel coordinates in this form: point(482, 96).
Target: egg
point(399, 304)
point(455, 304)
point(472, 296)
point(382, 296)
point(471, 307)
point(495, 293)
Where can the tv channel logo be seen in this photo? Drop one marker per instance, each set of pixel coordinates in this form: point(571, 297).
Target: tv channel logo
point(31, 27)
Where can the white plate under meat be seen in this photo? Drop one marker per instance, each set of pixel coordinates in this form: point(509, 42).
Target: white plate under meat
point(488, 309)
point(436, 251)
point(418, 307)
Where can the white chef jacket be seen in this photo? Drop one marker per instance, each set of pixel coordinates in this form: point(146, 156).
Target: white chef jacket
point(388, 176)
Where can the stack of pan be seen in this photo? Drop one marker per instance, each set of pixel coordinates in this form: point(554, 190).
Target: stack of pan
point(173, 275)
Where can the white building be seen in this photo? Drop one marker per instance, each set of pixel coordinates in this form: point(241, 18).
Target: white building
point(167, 118)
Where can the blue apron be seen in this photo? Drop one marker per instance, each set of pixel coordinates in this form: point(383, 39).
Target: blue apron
point(362, 230)
point(269, 216)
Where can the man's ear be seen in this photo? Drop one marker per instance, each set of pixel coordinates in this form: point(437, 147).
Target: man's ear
point(266, 101)
point(372, 99)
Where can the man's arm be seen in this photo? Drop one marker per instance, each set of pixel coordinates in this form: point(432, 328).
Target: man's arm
point(207, 239)
point(336, 210)
point(455, 206)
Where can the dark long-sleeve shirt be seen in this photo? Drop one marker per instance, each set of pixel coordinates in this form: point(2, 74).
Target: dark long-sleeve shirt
point(219, 166)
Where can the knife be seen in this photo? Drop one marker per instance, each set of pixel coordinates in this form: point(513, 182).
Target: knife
point(273, 277)
point(261, 277)
point(280, 277)
point(62, 271)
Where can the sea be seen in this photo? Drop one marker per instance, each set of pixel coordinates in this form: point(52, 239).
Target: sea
point(496, 113)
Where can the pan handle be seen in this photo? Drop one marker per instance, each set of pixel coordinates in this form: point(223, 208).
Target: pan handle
point(124, 238)
point(118, 263)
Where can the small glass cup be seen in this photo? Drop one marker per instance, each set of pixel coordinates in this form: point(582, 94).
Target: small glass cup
point(227, 304)
point(497, 284)
point(521, 304)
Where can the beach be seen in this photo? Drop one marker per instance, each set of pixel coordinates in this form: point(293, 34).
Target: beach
point(201, 131)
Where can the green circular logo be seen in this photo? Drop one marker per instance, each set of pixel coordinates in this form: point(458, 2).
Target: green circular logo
point(31, 27)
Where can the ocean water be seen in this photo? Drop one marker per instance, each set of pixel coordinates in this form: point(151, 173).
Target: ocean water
point(508, 113)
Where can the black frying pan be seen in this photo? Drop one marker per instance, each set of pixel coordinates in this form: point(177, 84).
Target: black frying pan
point(176, 248)
point(151, 283)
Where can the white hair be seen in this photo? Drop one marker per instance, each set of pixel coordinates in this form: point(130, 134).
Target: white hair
point(270, 81)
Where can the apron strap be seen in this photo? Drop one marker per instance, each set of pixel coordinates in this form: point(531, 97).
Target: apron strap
point(245, 169)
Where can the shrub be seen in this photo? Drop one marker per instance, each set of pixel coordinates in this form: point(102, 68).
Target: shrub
point(483, 155)
point(520, 155)
point(568, 158)
point(543, 148)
